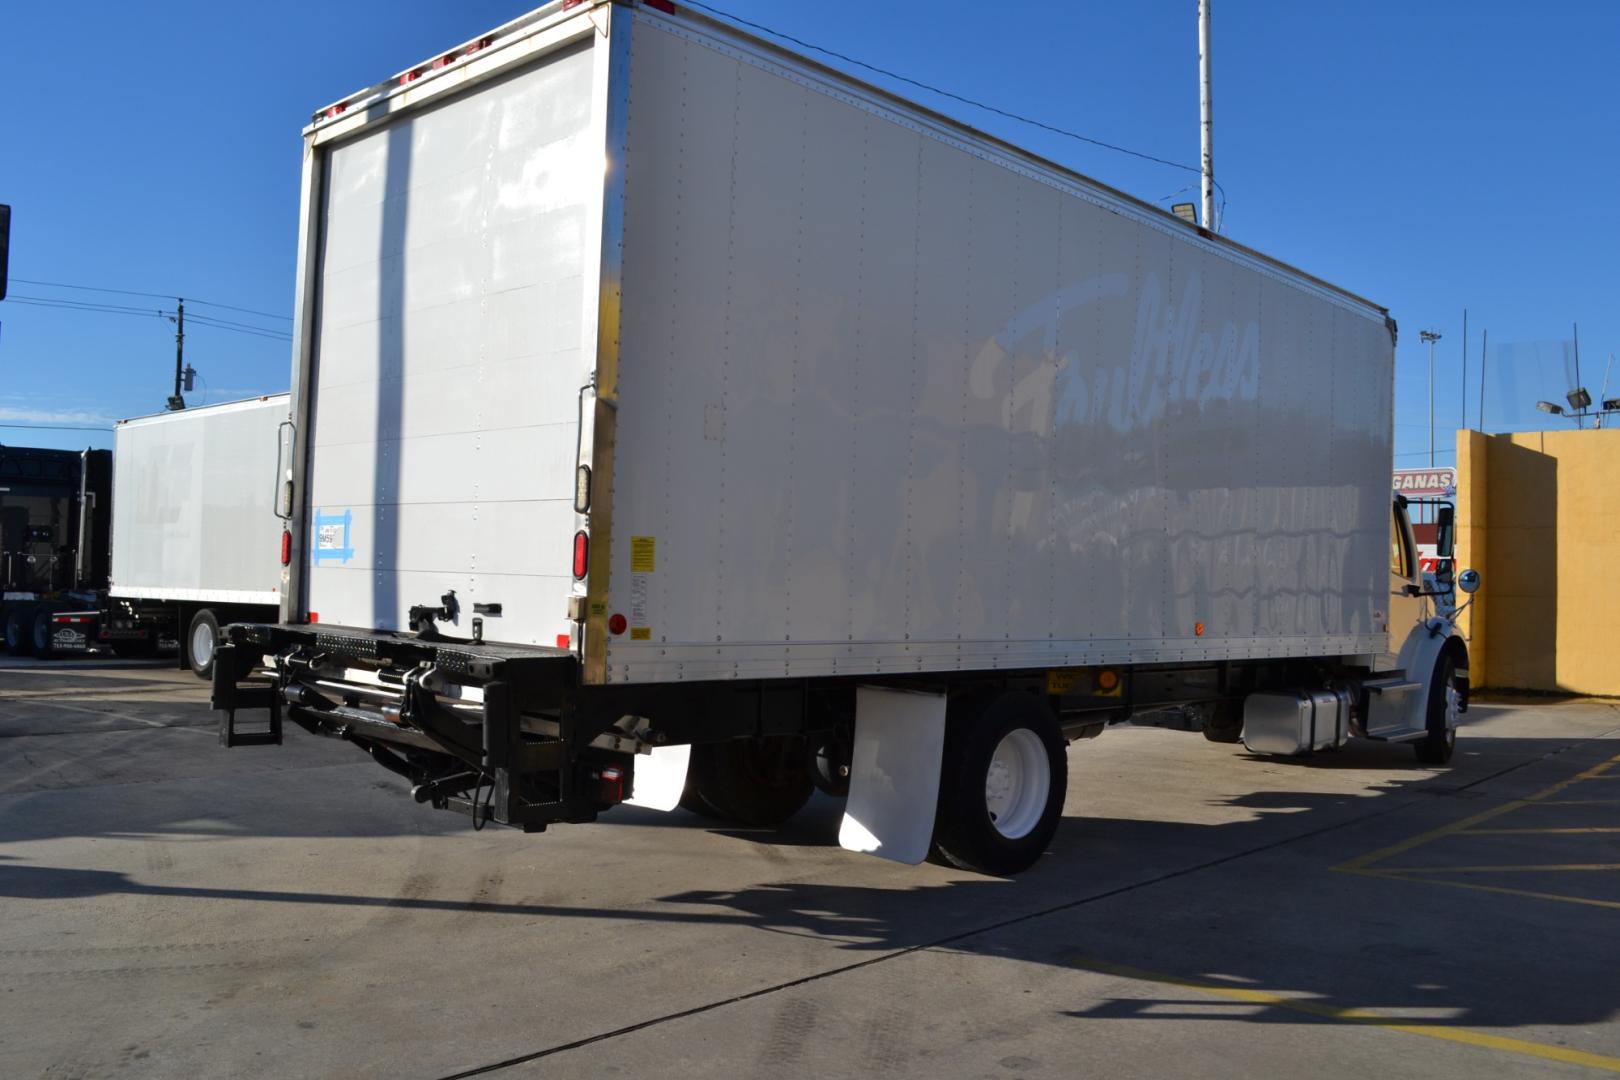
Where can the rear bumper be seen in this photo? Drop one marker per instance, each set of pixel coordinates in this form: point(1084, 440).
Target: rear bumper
point(481, 728)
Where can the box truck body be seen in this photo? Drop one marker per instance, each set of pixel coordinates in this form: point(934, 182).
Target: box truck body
point(666, 358)
point(193, 533)
point(192, 495)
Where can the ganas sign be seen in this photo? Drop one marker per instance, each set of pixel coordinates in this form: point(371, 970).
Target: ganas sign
point(1417, 482)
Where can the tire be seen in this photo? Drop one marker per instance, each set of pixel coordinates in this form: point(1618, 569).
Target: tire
point(135, 650)
point(757, 782)
point(19, 632)
point(1437, 746)
point(1226, 725)
point(201, 640)
point(1002, 783)
point(41, 634)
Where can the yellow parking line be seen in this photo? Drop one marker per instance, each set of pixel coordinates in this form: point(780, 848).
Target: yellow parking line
point(1362, 862)
point(1359, 1016)
point(1533, 868)
point(1543, 831)
point(1586, 901)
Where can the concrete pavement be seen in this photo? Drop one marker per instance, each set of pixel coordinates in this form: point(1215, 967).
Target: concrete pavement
point(173, 908)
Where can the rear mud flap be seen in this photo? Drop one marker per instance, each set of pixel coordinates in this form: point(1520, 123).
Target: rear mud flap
point(660, 777)
point(894, 774)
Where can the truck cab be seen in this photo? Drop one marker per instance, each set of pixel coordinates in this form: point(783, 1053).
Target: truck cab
point(1424, 702)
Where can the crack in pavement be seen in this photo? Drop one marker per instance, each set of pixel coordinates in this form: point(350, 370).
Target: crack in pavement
point(697, 1010)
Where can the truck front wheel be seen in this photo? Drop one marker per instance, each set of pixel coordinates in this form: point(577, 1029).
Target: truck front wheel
point(1002, 783)
point(1437, 746)
point(200, 642)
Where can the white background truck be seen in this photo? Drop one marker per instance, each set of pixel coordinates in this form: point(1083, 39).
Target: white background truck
point(178, 515)
point(678, 419)
point(192, 525)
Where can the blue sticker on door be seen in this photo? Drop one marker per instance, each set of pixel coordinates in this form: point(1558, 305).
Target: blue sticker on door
point(332, 537)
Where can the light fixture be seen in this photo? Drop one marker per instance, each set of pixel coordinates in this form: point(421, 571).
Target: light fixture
point(1611, 404)
point(1578, 398)
point(1186, 211)
point(1547, 406)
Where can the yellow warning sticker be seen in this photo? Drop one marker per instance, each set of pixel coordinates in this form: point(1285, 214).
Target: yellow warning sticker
point(643, 554)
point(641, 633)
point(1060, 681)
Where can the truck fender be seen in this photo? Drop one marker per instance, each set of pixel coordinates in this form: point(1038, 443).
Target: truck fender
point(1419, 657)
point(894, 773)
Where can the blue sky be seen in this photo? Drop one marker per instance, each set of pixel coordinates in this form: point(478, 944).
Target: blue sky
point(1429, 156)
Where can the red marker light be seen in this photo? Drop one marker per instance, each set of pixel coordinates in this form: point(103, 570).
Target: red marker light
point(582, 554)
point(611, 787)
point(617, 624)
point(286, 547)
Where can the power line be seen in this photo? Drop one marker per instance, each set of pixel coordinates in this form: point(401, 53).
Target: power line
point(885, 72)
point(200, 320)
point(156, 296)
point(56, 427)
point(89, 288)
point(83, 305)
point(118, 309)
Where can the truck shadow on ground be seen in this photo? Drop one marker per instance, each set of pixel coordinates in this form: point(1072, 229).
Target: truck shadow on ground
point(1125, 898)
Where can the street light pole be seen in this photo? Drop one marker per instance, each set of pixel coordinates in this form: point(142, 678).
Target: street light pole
point(1430, 336)
point(1206, 119)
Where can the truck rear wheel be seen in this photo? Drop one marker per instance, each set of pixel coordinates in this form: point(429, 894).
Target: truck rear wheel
point(759, 782)
point(19, 633)
point(1225, 723)
point(1002, 784)
point(43, 631)
point(201, 639)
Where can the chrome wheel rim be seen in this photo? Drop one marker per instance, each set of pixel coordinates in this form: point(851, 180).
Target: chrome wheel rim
point(202, 645)
point(1018, 783)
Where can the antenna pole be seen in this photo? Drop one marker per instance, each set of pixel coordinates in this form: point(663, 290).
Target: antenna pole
point(1465, 370)
point(1576, 340)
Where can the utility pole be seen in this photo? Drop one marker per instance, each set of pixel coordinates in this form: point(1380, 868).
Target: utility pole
point(1580, 418)
point(1430, 336)
point(177, 402)
point(1206, 110)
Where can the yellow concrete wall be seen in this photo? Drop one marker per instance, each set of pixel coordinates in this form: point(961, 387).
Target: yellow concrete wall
point(1538, 515)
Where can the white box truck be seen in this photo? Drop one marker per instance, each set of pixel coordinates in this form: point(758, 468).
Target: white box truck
point(193, 531)
point(680, 420)
point(167, 537)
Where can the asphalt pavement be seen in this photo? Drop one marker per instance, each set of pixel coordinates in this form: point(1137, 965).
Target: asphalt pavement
point(169, 908)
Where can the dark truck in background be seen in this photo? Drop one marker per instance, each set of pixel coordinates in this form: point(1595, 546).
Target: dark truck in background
point(55, 532)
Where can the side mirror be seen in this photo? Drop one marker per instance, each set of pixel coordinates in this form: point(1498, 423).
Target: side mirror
point(1468, 581)
point(1445, 535)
